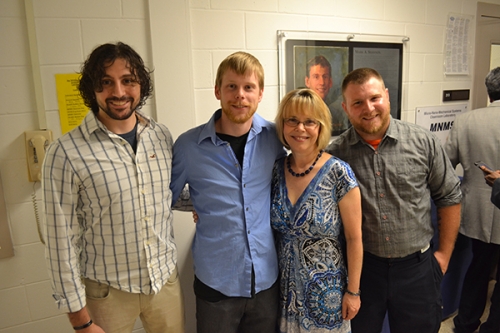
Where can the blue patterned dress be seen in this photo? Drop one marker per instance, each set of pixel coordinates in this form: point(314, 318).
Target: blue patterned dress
point(313, 273)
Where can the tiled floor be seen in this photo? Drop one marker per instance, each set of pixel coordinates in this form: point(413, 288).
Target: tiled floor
point(447, 325)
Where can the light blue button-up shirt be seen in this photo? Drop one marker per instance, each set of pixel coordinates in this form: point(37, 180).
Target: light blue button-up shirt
point(233, 232)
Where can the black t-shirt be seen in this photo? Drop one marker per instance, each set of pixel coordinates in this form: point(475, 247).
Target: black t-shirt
point(131, 137)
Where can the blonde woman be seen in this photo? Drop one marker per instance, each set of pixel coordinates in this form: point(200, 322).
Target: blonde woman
point(316, 212)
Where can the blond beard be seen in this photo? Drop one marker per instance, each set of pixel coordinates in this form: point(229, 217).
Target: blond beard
point(375, 129)
point(241, 119)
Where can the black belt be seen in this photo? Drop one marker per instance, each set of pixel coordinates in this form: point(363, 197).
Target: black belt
point(417, 254)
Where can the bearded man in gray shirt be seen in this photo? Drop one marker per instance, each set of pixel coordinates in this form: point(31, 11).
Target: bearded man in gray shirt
point(400, 167)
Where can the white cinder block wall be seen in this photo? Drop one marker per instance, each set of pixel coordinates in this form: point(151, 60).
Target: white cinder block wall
point(67, 31)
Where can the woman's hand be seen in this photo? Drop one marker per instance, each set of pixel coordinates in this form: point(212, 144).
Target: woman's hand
point(350, 306)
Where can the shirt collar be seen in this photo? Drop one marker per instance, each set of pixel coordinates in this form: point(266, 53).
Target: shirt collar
point(208, 131)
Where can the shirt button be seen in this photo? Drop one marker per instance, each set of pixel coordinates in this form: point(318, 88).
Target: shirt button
point(246, 209)
point(244, 185)
point(249, 232)
point(378, 173)
point(382, 195)
point(384, 217)
point(387, 238)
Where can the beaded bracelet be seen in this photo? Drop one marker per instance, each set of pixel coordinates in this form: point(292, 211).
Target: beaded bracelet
point(77, 328)
point(353, 294)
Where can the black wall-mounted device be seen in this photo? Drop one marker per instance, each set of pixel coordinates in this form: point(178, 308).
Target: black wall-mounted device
point(456, 95)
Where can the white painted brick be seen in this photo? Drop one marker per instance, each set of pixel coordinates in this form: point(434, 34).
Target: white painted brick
point(205, 105)
point(204, 76)
point(456, 83)
point(199, 4)
point(135, 9)
point(77, 9)
point(14, 42)
point(218, 57)
point(11, 8)
point(13, 307)
point(404, 11)
point(22, 220)
point(217, 30)
point(434, 68)
point(40, 300)
point(12, 146)
point(437, 12)
point(382, 28)
point(332, 24)
point(268, 107)
point(359, 9)
point(311, 7)
point(261, 29)
point(59, 41)
point(427, 94)
point(469, 7)
point(53, 123)
point(27, 266)
point(416, 70)
point(130, 31)
point(16, 90)
point(426, 38)
point(269, 61)
point(255, 5)
point(408, 116)
point(58, 324)
point(14, 173)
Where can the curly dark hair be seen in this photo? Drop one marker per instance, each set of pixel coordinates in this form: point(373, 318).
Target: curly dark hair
point(94, 69)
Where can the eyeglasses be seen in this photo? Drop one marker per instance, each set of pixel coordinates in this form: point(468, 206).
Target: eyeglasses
point(308, 123)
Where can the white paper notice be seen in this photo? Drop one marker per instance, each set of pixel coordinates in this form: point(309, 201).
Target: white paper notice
point(457, 45)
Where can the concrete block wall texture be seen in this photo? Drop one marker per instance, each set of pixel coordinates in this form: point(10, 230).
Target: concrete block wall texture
point(67, 31)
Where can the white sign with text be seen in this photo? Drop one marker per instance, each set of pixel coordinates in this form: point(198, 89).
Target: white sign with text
point(438, 119)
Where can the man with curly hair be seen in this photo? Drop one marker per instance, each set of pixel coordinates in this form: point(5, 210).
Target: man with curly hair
point(110, 249)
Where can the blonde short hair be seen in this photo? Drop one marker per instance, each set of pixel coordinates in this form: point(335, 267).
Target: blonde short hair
point(241, 63)
point(305, 101)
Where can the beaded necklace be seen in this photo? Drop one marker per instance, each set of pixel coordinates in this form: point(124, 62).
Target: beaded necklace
point(302, 174)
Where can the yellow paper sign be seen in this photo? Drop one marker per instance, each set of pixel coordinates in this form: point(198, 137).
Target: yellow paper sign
point(71, 107)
